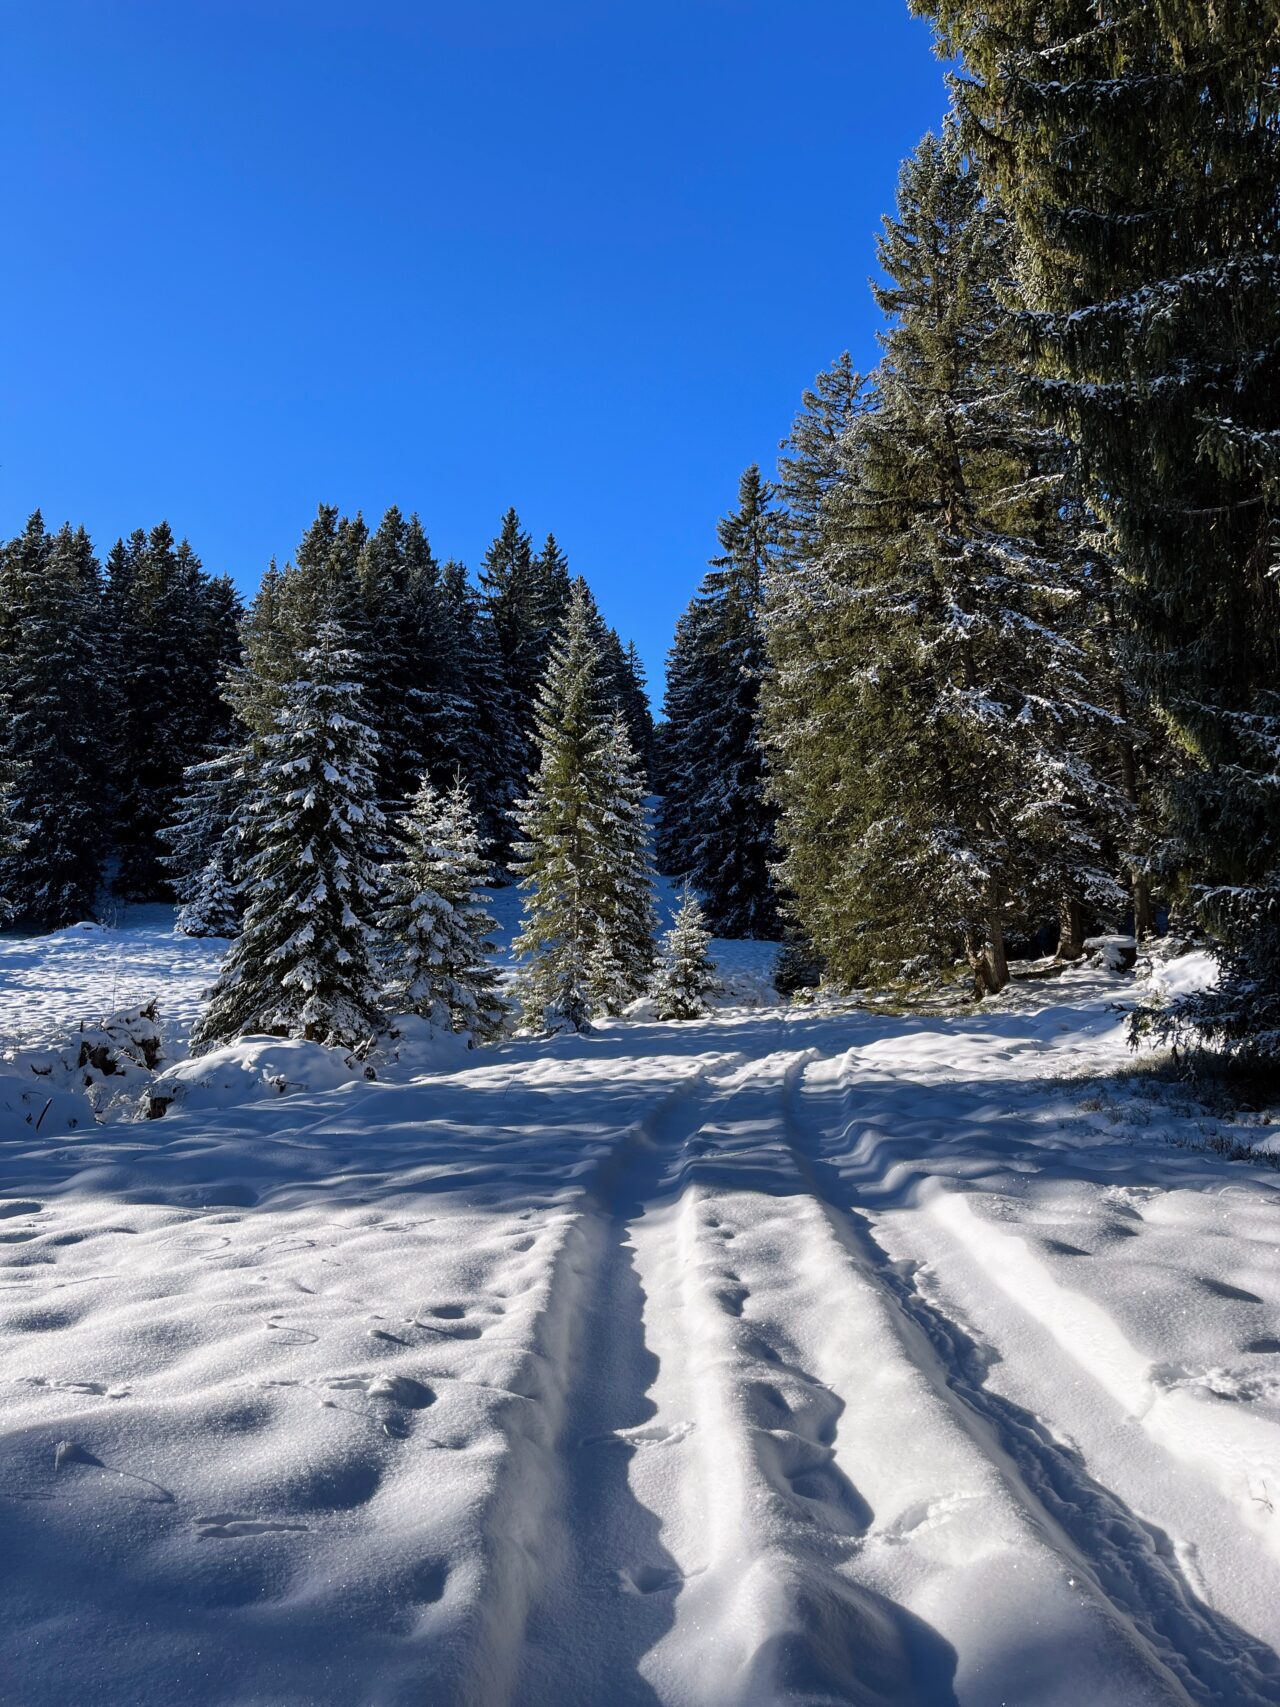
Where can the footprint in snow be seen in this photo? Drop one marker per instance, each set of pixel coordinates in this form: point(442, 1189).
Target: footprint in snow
point(19, 1206)
point(643, 1434)
point(649, 1579)
point(94, 1389)
point(1221, 1289)
point(223, 1526)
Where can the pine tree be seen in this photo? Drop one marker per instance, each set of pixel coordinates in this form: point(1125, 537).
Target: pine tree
point(685, 975)
point(1136, 147)
point(718, 823)
point(57, 703)
point(567, 896)
point(302, 964)
point(436, 933)
point(622, 953)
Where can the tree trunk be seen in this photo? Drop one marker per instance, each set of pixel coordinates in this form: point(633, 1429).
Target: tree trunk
point(1070, 928)
point(1144, 923)
point(997, 965)
point(990, 968)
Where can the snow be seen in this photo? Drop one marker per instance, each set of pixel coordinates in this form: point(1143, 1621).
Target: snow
point(789, 1355)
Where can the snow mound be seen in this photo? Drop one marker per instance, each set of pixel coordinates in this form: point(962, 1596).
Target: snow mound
point(745, 971)
point(77, 933)
point(92, 1075)
point(248, 1070)
point(413, 1046)
point(1116, 953)
point(1184, 974)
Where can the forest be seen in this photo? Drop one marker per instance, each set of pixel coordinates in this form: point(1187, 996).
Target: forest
point(990, 666)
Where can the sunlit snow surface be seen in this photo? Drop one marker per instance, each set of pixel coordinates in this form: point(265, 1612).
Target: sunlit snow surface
point(787, 1356)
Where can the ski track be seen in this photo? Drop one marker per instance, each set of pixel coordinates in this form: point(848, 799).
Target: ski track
point(733, 1388)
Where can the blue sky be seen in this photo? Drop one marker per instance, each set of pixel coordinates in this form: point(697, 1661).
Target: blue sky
point(580, 258)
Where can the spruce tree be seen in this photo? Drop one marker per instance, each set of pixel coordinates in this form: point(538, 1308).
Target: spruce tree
point(12, 837)
point(302, 966)
point(622, 953)
point(685, 976)
point(483, 739)
point(57, 700)
point(393, 674)
point(435, 932)
point(562, 820)
point(932, 713)
point(1137, 149)
point(175, 635)
point(203, 843)
point(684, 704)
point(510, 585)
point(553, 587)
point(718, 823)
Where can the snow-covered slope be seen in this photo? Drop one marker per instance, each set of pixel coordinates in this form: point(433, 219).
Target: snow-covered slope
point(786, 1356)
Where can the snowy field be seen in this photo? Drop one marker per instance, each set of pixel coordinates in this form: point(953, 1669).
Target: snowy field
point(821, 1356)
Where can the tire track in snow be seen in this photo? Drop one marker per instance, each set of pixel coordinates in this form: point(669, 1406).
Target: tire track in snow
point(1131, 1566)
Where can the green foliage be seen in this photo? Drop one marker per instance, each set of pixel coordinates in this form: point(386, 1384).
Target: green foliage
point(56, 752)
point(586, 936)
point(1138, 150)
point(933, 699)
point(685, 976)
point(716, 827)
point(302, 964)
point(435, 934)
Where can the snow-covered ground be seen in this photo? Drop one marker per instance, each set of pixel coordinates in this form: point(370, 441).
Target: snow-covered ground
point(793, 1355)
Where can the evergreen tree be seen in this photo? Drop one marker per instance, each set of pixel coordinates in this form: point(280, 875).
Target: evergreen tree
point(526, 596)
point(718, 824)
point(393, 670)
point(685, 975)
point(1138, 150)
point(932, 715)
point(622, 953)
point(568, 893)
point(436, 933)
point(510, 584)
point(302, 964)
point(553, 588)
point(56, 695)
point(12, 837)
point(684, 704)
point(483, 734)
point(203, 844)
point(624, 680)
point(175, 635)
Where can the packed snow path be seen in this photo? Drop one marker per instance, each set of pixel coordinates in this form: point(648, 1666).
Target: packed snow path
point(780, 1357)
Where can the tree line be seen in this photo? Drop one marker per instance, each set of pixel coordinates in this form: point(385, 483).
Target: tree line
point(127, 694)
point(1000, 645)
point(330, 778)
point(1004, 635)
